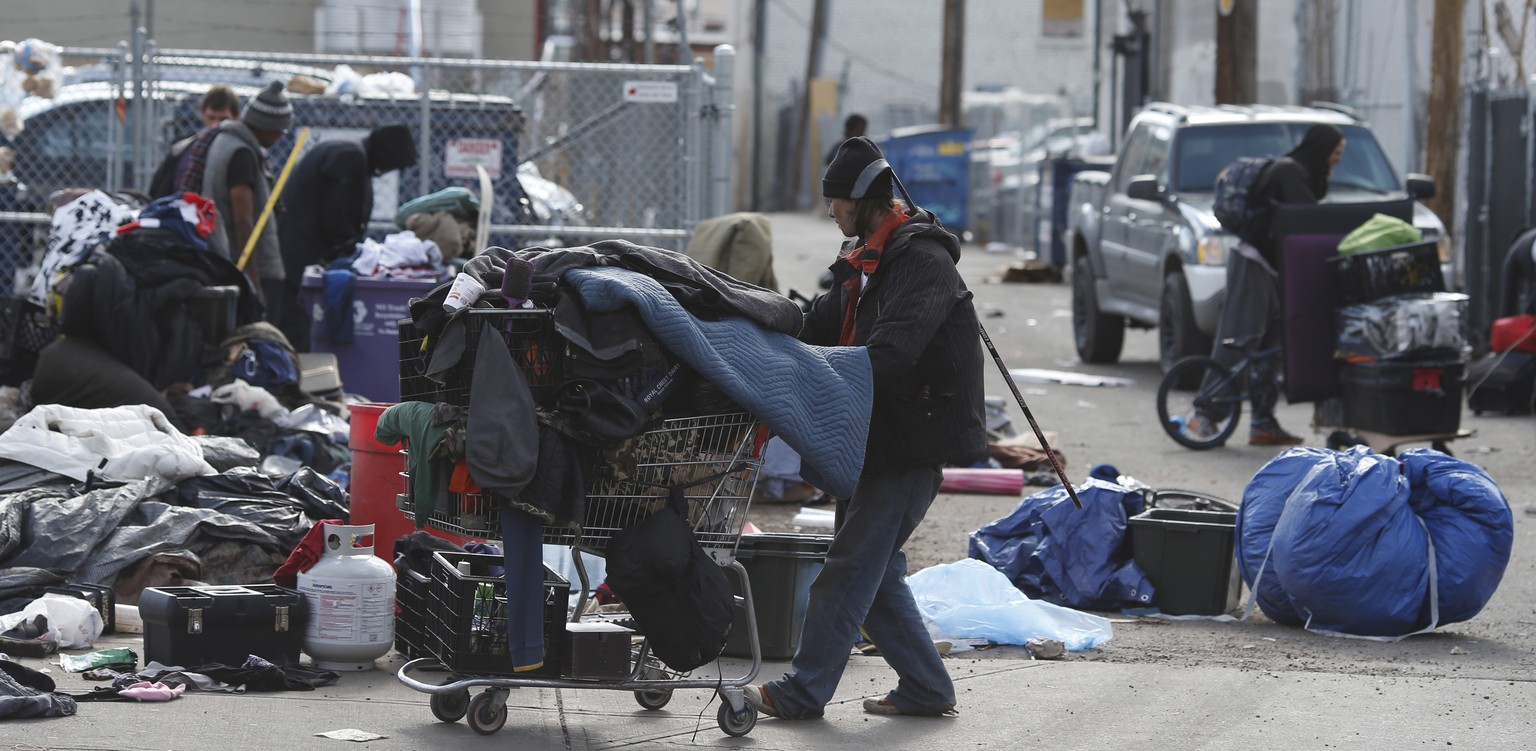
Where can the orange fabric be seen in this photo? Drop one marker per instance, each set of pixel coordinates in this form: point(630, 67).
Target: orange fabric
point(460, 481)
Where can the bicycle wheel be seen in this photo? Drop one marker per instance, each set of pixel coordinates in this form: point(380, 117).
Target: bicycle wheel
point(1217, 399)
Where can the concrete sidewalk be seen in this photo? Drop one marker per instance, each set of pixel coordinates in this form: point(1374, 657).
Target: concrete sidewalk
point(1006, 701)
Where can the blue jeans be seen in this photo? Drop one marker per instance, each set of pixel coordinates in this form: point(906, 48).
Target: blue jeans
point(863, 583)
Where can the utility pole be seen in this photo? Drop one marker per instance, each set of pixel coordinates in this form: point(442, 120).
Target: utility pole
point(1444, 129)
point(952, 81)
point(812, 71)
point(1237, 51)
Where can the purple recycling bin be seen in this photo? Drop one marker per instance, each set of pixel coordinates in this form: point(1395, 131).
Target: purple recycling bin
point(370, 364)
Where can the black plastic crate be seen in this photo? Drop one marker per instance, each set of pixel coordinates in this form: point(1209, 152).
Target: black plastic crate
point(25, 330)
point(1188, 556)
point(529, 334)
point(100, 596)
point(450, 618)
point(412, 596)
point(1373, 274)
point(1403, 397)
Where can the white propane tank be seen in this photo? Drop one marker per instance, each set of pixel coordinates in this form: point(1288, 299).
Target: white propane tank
point(351, 597)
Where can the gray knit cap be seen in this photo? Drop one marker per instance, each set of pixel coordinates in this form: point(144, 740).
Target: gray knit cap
point(269, 110)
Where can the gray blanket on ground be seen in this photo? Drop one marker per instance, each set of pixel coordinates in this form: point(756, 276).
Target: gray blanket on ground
point(817, 398)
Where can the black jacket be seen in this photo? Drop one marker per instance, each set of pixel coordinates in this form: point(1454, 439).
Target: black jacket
point(1284, 181)
point(325, 206)
point(916, 317)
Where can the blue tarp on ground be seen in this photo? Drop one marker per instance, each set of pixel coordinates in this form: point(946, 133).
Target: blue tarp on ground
point(1055, 552)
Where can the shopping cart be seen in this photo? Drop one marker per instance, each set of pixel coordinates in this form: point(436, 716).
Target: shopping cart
point(717, 459)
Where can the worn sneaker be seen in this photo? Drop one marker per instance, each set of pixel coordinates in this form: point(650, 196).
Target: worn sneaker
point(885, 707)
point(1271, 435)
point(757, 698)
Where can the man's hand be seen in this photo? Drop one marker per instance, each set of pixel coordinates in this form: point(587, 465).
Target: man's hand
point(242, 204)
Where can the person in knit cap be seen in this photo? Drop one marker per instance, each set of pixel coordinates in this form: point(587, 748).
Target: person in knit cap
point(897, 293)
point(229, 166)
point(329, 199)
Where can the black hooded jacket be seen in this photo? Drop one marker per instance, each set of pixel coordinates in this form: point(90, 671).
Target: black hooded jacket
point(330, 196)
point(917, 319)
point(1300, 176)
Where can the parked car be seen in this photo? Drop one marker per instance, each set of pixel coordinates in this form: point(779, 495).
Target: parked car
point(1146, 251)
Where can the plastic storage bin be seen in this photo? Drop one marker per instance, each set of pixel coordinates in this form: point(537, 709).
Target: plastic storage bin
point(529, 334)
point(1403, 397)
point(1188, 557)
point(192, 626)
point(450, 618)
point(781, 567)
point(1374, 274)
point(368, 362)
point(412, 595)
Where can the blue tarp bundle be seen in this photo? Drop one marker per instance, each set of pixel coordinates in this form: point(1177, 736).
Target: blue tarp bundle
point(1052, 551)
point(1343, 539)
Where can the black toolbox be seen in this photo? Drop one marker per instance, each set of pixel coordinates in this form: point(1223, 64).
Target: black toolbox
point(192, 626)
point(100, 596)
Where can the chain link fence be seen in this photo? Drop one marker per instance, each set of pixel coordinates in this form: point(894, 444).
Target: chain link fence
point(576, 152)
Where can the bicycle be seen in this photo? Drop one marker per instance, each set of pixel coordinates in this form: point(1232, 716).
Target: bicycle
point(1217, 395)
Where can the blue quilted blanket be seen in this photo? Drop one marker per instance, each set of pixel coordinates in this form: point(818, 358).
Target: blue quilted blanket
point(816, 398)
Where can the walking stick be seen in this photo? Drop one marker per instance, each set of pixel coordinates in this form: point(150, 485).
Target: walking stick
point(277, 190)
point(997, 358)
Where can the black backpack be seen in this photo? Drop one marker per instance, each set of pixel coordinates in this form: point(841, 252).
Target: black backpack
point(677, 594)
point(1233, 184)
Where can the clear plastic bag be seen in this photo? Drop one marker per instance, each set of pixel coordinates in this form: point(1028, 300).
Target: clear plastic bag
point(969, 599)
point(1401, 325)
point(72, 622)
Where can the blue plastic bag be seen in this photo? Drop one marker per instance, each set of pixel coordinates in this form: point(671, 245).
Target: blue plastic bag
point(1347, 540)
point(970, 600)
point(1077, 558)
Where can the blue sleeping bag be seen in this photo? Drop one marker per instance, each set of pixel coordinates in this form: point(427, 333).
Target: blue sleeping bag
point(1075, 558)
point(1347, 540)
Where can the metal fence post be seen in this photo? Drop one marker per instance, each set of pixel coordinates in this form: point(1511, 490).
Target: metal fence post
point(692, 154)
point(723, 140)
point(424, 133)
point(137, 80)
point(114, 125)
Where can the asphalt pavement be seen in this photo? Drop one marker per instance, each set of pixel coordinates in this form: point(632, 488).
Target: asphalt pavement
point(1185, 685)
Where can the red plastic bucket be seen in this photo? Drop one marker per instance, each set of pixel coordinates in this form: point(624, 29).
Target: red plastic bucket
point(376, 481)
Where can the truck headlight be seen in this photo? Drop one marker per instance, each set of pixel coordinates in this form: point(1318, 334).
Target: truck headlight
point(1212, 250)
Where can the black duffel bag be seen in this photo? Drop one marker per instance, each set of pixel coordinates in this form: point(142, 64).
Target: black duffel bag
point(677, 594)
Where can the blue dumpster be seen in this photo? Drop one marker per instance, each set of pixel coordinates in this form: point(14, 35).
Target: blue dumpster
point(934, 162)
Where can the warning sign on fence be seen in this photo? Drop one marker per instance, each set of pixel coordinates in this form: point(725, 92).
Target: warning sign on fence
point(650, 92)
point(464, 154)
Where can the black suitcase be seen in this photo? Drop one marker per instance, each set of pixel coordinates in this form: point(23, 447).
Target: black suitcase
point(1502, 383)
point(193, 626)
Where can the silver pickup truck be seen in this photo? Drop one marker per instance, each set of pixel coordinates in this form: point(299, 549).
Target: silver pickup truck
point(1146, 251)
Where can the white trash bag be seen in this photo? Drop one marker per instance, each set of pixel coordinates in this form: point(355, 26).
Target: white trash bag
point(72, 622)
point(969, 599)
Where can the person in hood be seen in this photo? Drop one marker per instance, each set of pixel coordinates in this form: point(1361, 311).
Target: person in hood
point(896, 292)
point(1252, 311)
point(327, 204)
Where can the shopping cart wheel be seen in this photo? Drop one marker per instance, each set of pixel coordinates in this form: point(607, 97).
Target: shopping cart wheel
point(450, 707)
point(486, 714)
point(736, 724)
point(653, 698)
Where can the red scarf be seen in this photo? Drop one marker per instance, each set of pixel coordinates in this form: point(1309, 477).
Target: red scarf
point(865, 259)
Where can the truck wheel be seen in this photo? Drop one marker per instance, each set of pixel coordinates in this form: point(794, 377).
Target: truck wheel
point(1098, 336)
point(1178, 336)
